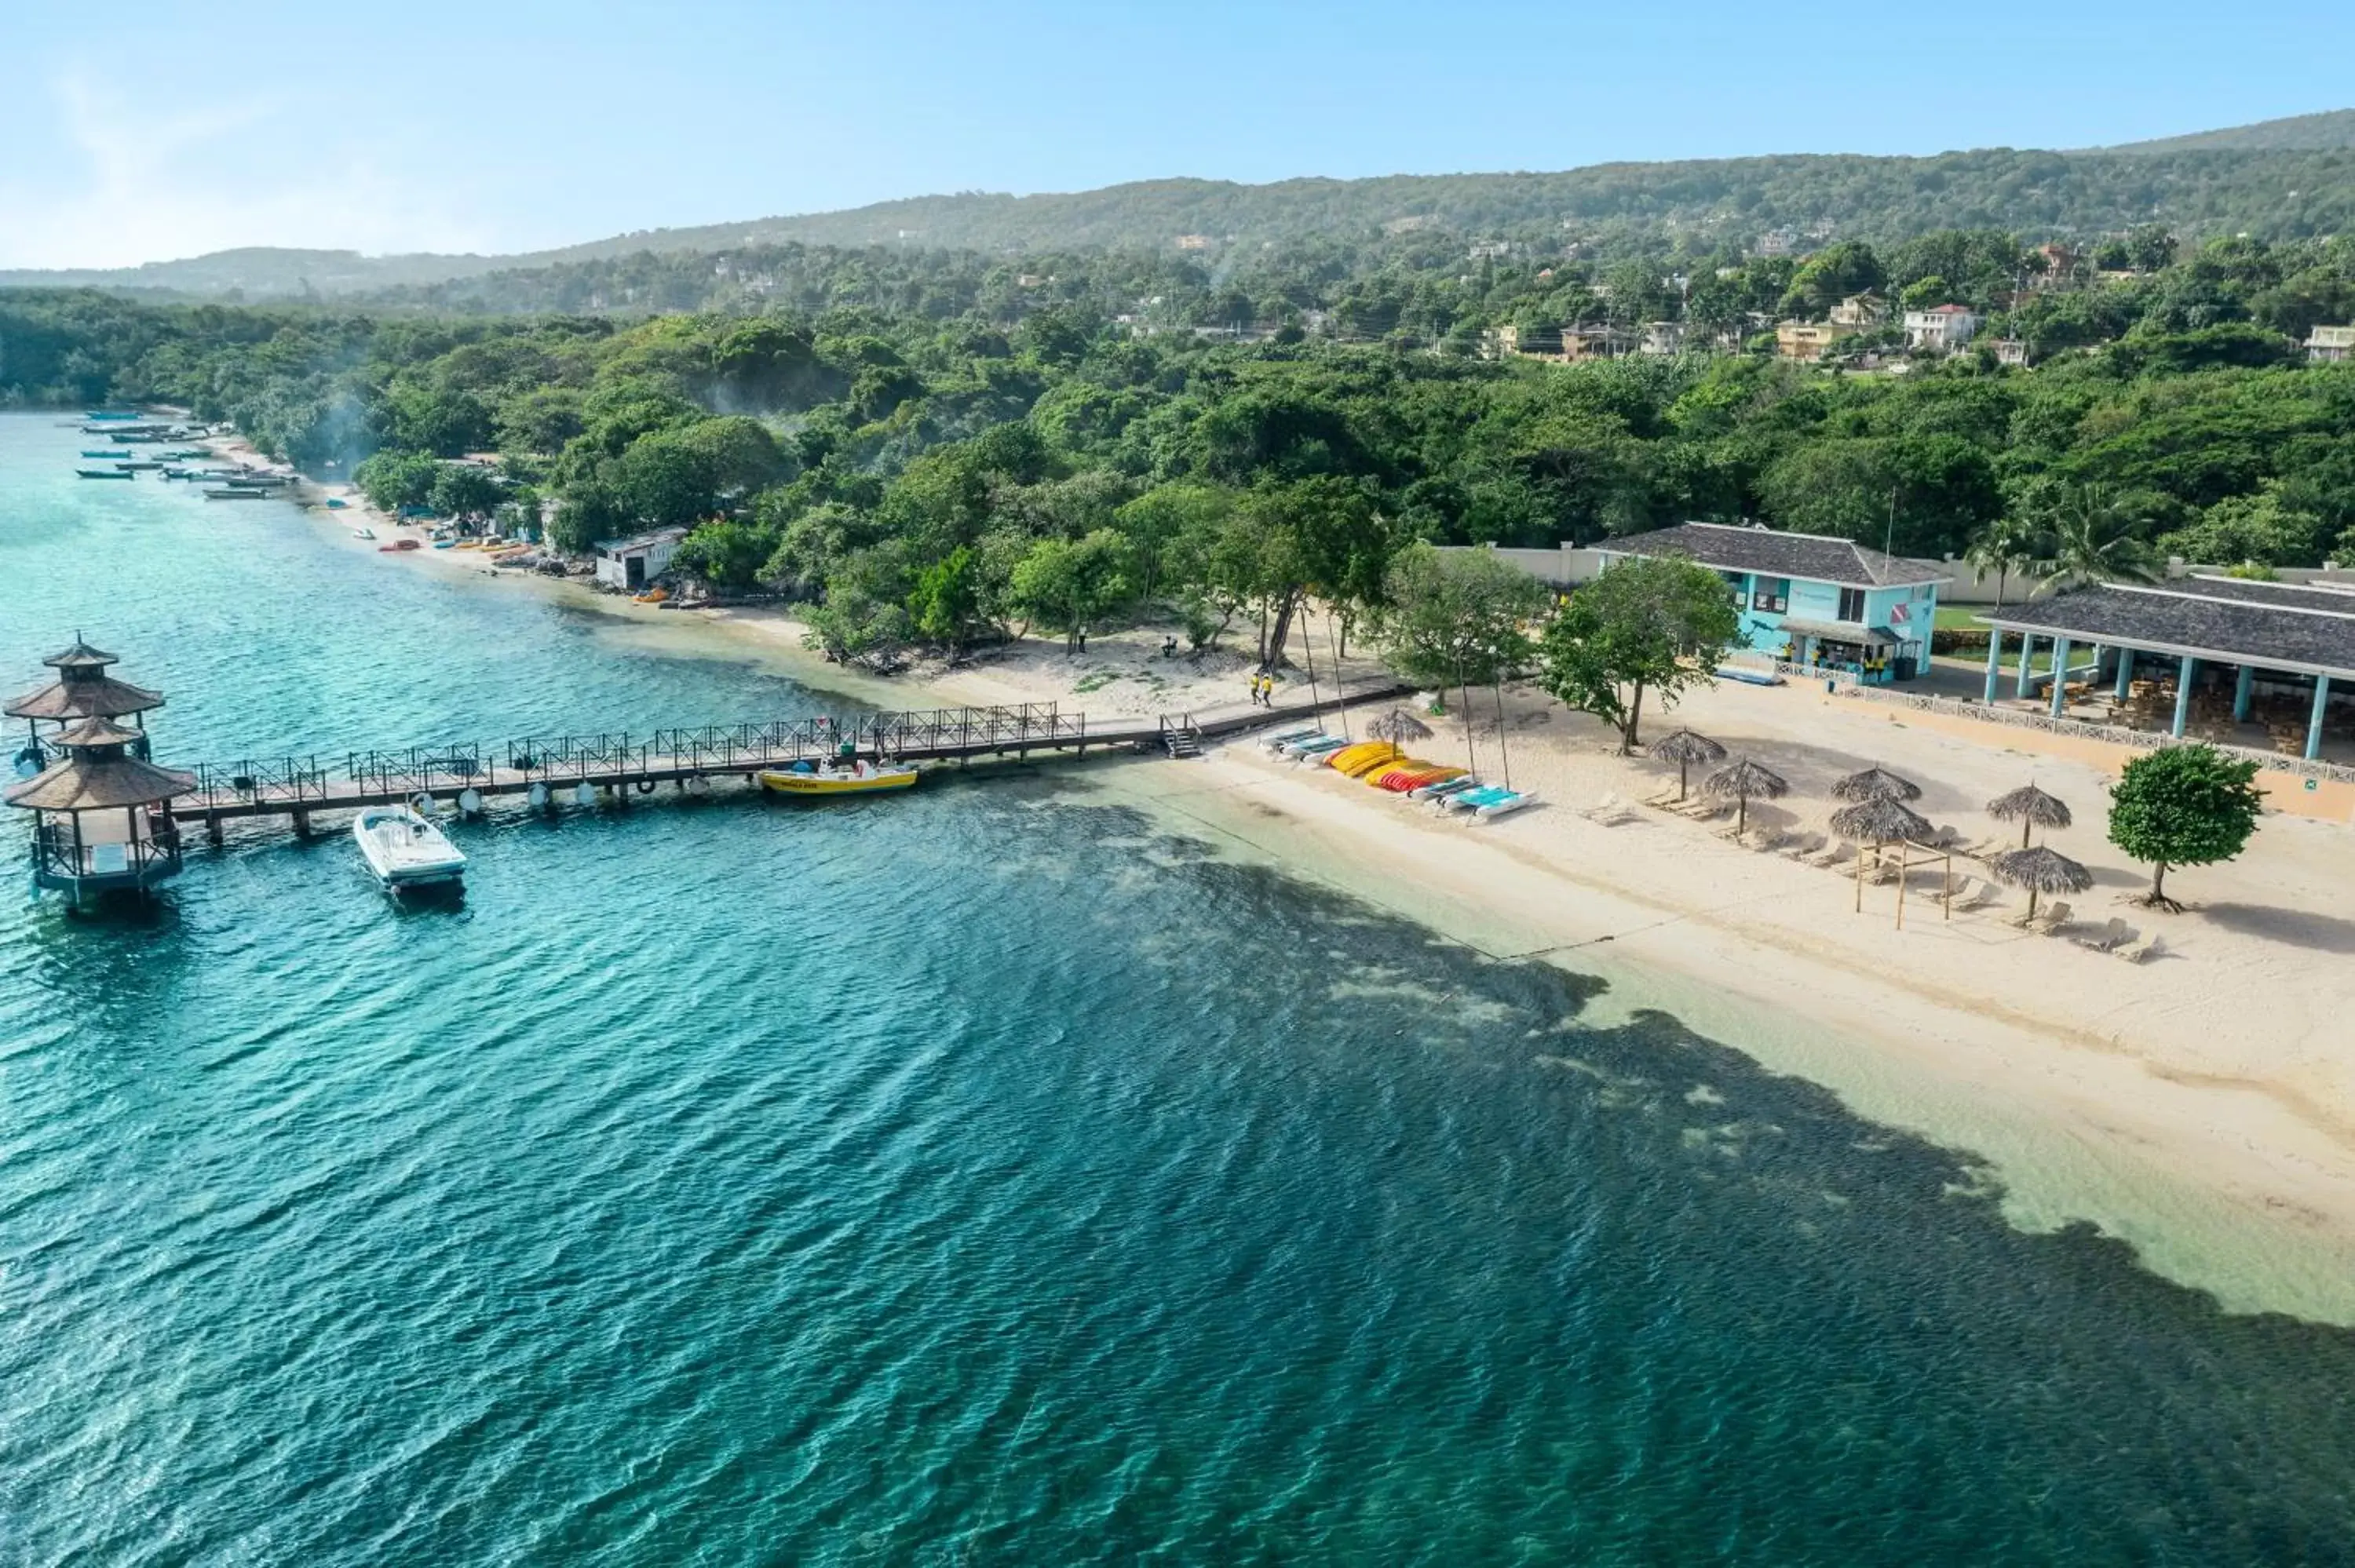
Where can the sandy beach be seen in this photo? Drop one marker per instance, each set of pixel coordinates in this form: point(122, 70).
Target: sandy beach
point(2200, 1105)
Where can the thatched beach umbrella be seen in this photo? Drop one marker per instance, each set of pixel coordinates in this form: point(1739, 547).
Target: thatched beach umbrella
point(1398, 727)
point(1684, 747)
point(2031, 808)
point(2039, 870)
point(1876, 783)
point(1879, 819)
point(1743, 780)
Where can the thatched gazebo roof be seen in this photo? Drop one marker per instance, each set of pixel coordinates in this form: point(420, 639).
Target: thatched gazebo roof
point(2041, 870)
point(93, 784)
point(1398, 727)
point(1685, 747)
point(1876, 783)
point(2032, 805)
point(94, 695)
point(1879, 820)
point(80, 656)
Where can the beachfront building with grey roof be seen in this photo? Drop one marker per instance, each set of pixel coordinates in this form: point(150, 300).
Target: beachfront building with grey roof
point(1811, 599)
point(2254, 651)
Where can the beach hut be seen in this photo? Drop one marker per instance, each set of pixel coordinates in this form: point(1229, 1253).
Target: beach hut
point(1684, 748)
point(2041, 871)
point(1880, 820)
point(101, 820)
point(1744, 780)
point(2031, 808)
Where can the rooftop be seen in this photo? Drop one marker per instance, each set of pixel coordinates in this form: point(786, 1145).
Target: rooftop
point(1816, 557)
point(2276, 626)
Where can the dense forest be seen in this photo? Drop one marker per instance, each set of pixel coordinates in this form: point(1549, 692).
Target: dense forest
point(942, 452)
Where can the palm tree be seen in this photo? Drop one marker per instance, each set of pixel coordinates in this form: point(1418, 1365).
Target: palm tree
point(2006, 545)
point(2094, 538)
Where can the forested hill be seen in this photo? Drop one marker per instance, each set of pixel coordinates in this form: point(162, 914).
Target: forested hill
point(2269, 191)
point(2299, 132)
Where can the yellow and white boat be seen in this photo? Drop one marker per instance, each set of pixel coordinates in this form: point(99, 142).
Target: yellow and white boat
point(837, 778)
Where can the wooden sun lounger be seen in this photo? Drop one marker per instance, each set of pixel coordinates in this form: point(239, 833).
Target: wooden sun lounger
point(1839, 855)
point(2136, 952)
point(1801, 847)
point(2117, 934)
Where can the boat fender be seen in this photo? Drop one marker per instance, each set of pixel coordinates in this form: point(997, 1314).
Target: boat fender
point(584, 794)
point(421, 803)
point(538, 796)
point(645, 786)
point(470, 801)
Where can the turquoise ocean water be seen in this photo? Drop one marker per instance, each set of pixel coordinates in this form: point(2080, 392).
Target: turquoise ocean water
point(984, 1176)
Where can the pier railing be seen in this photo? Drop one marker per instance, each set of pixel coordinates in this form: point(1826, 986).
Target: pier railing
point(296, 783)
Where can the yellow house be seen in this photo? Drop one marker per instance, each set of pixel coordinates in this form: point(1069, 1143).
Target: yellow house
point(1806, 341)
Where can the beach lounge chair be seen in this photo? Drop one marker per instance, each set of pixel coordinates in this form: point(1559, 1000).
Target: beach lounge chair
point(2117, 934)
point(1766, 841)
point(1609, 811)
point(1834, 858)
point(1802, 846)
point(2136, 952)
point(2050, 920)
point(1665, 795)
point(1972, 893)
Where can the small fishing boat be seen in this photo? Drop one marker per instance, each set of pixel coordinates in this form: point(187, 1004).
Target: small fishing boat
point(231, 494)
point(336, 503)
point(808, 779)
point(139, 465)
point(102, 473)
point(404, 850)
point(406, 545)
point(106, 457)
point(108, 414)
point(363, 532)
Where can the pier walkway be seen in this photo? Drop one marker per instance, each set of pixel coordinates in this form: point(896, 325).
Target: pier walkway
point(623, 763)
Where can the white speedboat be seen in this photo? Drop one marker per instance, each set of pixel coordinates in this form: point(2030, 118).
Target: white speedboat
point(404, 850)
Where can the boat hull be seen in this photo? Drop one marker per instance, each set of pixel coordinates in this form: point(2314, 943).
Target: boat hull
point(404, 850)
point(823, 785)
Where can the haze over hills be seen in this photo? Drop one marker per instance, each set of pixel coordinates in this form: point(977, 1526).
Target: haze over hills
point(2281, 178)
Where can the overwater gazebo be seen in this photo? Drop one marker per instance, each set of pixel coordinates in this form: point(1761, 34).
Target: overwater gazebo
point(102, 810)
point(82, 690)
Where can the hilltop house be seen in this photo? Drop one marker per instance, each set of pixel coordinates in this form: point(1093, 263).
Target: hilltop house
point(1860, 312)
point(1806, 341)
point(1810, 600)
point(2331, 344)
point(1941, 329)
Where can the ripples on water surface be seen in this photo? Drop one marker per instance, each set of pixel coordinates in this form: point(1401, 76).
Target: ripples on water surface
point(973, 1177)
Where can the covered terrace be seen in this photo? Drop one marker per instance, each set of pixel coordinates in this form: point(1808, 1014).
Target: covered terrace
point(2204, 656)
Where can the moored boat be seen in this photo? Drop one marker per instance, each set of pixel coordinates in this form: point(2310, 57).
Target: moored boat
point(809, 778)
point(106, 457)
point(102, 473)
point(232, 494)
point(404, 850)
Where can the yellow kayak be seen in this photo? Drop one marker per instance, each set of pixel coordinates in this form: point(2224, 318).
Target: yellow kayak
point(1364, 757)
point(859, 779)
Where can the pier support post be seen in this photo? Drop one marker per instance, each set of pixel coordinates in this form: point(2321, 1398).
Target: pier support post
point(213, 829)
point(301, 823)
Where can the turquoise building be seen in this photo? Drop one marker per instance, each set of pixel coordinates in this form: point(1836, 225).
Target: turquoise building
point(1811, 599)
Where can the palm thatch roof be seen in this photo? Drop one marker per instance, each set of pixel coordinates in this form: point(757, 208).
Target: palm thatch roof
point(1746, 780)
point(1878, 819)
point(2041, 870)
point(95, 732)
point(1876, 783)
point(1685, 747)
point(1398, 727)
point(2028, 803)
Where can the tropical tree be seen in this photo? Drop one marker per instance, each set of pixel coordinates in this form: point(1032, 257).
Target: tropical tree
point(2183, 805)
point(1654, 624)
point(1068, 584)
point(2005, 545)
point(2090, 536)
point(1454, 617)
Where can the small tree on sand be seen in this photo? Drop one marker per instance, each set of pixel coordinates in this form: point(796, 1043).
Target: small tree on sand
point(1455, 618)
point(2183, 805)
point(1649, 624)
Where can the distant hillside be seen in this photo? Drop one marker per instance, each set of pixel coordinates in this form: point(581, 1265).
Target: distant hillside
point(2324, 133)
point(2297, 185)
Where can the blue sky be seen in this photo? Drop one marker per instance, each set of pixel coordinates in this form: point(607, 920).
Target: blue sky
point(137, 133)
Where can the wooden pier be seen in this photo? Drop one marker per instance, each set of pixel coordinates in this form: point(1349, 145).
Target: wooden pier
point(622, 764)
